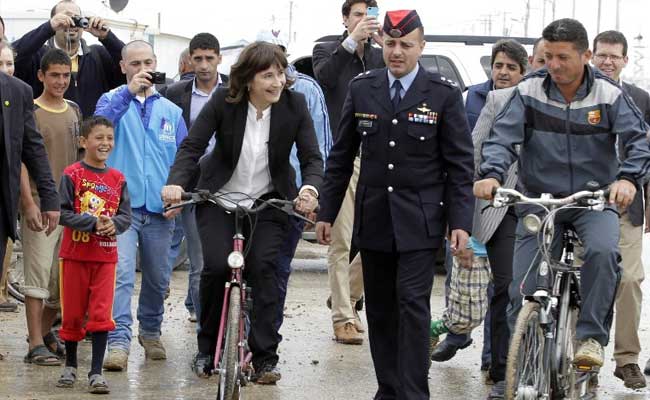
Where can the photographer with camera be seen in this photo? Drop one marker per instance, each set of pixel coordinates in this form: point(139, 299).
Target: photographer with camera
point(148, 130)
point(95, 69)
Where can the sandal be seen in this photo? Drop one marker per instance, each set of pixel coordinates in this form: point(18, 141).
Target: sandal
point(54, 345)
point(40, 355)
point(68, 377)
point(97, 384)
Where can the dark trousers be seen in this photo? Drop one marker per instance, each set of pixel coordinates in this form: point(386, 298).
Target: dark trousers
point(398, 291)
point(500, 249)
point(283, 264)
point(4, 229)
point(216, 229)
point(599, 275)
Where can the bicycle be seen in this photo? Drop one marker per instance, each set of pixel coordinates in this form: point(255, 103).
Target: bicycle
point(540, 358)
point(232, 358)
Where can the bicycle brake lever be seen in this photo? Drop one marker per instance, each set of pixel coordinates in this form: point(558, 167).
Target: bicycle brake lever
point(288, 208)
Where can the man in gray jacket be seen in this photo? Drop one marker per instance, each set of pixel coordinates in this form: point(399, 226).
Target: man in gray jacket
point(567, 119)
point(496, 228)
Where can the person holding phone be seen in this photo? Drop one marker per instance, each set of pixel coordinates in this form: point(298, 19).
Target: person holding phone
point(335, 64)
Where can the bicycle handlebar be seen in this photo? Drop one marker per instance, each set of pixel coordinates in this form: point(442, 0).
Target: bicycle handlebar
point(595, 200)
point(203, 196)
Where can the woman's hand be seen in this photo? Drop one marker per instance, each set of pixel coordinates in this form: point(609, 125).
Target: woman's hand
point(306, 202)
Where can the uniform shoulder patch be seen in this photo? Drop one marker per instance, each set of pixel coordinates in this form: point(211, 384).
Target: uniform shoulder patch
point(437, 78)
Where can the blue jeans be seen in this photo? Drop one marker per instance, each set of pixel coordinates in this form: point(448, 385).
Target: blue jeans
point(283, 264)
point(174, 251)
point(195, 254)
point(152, 234)
point(462, 339)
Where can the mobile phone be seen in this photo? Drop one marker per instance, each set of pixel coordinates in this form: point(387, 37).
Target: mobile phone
point(372, 12)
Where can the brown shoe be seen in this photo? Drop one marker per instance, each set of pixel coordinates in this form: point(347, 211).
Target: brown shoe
point(631, 376)
point(347, 334)
point(153, 348)
point(117, 360)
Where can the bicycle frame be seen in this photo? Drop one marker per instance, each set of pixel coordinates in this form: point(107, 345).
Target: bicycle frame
point(236, 278)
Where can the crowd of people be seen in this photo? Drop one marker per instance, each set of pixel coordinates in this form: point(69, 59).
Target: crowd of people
point(390, 159)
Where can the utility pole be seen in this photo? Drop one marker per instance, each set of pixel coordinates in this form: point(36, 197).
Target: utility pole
point(527, 18)
point(290, 21)
point(573, 10)
point(553, 8)
point(543, 12)
point(598, 21)
point(618, 14)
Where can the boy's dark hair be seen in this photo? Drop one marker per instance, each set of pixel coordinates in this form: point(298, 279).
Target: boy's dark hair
point(567, 30)
point(91, 122)
point(611, 37)
point(347, 5)
point(514, 50)
point(204, 41)
point(55, 56)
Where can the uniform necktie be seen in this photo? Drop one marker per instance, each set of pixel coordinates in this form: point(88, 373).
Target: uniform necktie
point(397, 97)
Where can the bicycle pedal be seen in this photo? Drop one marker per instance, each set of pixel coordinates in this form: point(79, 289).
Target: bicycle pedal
point(586, 368)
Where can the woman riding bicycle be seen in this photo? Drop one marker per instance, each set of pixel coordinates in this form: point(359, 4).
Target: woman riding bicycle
point(253, 124)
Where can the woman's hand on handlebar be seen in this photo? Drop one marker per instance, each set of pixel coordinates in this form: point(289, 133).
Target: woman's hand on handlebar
point(306, 202)
point(171, 194)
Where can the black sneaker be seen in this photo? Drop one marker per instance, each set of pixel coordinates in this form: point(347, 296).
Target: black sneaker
point(498, 391)
point(267, 374)
point(445, 351)
point(202, 365)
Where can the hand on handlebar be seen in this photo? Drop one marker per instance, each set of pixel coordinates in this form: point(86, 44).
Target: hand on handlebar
point(306, 202)
point(485, 188)
point(171, 194)
point(622, 193)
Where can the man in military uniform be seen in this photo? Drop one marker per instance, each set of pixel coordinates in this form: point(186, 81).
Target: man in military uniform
point(416, 157)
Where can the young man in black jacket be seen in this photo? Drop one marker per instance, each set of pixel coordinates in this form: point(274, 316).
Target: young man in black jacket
point(95, 69)
point(335, 64)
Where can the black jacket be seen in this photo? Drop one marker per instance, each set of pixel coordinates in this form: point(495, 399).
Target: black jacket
point(417, 164)
point(290, 123)
point(22, 143)
point(99, 66)
point(335, 67)
point(642, 100)
point(180, 93)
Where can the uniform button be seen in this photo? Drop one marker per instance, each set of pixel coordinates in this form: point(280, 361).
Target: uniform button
point(442, 203)
point(394, 121)
point(422, 138)
point(391, 167)
point(390, 189)
point(364, 133)
point(391, 143)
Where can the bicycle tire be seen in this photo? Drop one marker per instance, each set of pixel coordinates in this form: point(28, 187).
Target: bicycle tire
point(526, 356)
point(229, 384)
point(16, 279)
point(563, 379)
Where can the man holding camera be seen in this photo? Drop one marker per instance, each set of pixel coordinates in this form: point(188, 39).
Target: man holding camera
point(95, 69)
point(148, 130)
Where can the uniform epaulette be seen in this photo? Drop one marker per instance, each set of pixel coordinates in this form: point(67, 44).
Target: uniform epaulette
point(437, 78)
point(367, 74)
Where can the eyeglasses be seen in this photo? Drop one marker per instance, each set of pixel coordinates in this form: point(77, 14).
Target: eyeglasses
point(603, 57)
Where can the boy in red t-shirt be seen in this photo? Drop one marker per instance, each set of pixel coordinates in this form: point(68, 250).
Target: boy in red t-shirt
point(95, 208)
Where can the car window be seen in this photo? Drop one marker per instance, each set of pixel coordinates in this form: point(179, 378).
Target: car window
point(487, 66)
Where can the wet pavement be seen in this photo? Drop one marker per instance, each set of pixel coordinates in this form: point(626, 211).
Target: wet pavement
point(313, 366)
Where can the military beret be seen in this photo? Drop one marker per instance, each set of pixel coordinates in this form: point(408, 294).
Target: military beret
point(401, 22)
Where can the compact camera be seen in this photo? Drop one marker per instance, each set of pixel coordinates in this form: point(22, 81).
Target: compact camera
point(157, 78)
point(80, 22)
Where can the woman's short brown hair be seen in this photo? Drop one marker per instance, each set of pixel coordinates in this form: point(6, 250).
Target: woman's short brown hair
point(256, 57)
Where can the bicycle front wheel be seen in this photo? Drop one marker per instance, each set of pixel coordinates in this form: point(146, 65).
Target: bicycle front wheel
point(229, 384)
point(563, 382)
point(526, 375)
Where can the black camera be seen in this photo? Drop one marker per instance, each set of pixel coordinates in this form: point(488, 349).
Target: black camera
point(80, 22)
point(157, 78)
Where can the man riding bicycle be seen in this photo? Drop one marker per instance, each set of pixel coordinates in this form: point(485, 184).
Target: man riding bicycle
point(569, 120)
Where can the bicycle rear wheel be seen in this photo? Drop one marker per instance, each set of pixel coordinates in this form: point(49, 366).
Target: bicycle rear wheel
point(229, 383)
point(526, 375)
